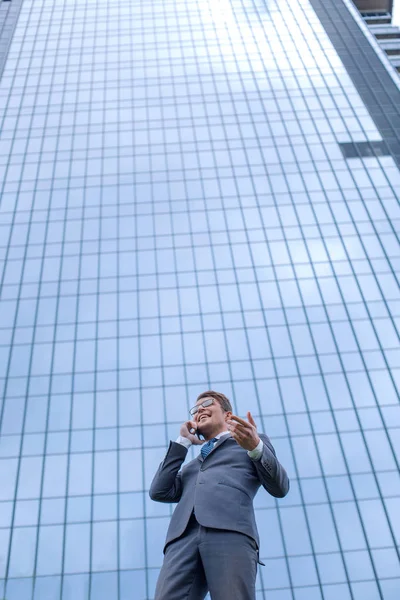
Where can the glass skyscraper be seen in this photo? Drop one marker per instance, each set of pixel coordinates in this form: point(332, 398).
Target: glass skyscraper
point(196, 194)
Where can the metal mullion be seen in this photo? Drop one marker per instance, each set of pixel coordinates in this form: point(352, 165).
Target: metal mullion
point(93, 451)
point(117, 391)
point(148, 236)
point(118, 334)
point(141, 399)
point(108, 205)
point(62, 575)
point(99, 205)
point(82, 220)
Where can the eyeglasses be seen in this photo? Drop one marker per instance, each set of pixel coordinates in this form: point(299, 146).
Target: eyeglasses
point(204, 404)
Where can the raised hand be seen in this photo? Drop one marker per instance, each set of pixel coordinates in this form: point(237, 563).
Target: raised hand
point(244, 432)
point(188, 430)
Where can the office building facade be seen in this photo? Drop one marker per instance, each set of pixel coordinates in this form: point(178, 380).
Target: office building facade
point(196, 195)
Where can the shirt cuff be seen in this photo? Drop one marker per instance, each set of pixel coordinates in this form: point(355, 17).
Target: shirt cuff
point(256, 453)
point(183, 441)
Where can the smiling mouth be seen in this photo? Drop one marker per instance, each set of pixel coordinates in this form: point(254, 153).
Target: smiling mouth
point(203, 417)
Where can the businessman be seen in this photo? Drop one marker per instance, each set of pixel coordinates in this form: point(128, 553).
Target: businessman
point(212, 541)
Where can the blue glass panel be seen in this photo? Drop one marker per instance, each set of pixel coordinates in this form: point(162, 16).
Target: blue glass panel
point(49, 557)
point(76, 558)
point(19, 589)
point(75, 586)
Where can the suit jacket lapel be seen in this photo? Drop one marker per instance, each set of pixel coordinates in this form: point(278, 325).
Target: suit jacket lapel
point(216, 445)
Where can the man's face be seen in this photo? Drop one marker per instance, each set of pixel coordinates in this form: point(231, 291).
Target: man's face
point(210, 419)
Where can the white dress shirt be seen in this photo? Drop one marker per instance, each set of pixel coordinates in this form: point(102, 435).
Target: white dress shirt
point(255, 454)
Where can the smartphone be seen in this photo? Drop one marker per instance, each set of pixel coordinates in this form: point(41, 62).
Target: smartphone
point(196, 431)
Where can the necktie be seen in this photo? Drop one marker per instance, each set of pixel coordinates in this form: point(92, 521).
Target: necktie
point(207, 447)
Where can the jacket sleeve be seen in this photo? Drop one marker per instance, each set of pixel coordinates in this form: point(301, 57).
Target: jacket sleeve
point(167, 482)
point(271, 474)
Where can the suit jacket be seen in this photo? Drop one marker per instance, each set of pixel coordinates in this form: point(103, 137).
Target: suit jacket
point(220, 488)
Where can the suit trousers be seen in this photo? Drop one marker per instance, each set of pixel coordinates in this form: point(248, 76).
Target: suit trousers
point(203, 560)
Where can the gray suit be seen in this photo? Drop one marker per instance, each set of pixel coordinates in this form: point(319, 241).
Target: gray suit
point(218, 549)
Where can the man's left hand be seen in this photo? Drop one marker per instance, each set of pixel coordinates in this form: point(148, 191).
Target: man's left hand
point(244, 432)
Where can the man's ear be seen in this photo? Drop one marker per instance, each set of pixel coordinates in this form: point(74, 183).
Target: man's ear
point(228, 415)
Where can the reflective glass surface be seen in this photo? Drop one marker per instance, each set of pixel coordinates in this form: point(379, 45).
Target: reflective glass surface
point(176, 215)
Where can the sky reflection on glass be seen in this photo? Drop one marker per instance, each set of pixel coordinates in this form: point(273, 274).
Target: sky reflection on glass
point(176, 214)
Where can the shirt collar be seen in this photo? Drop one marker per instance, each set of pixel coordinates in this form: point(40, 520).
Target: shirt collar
point(219, 435)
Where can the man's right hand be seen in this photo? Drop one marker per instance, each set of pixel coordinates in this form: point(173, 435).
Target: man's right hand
point(185, 430)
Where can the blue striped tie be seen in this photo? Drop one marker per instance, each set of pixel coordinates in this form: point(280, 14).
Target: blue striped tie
point(207, 447)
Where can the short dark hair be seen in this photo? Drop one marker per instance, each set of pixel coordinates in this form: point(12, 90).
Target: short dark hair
point(221, 398)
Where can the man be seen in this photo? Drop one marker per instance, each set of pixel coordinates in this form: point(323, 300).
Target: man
point(212, 541)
